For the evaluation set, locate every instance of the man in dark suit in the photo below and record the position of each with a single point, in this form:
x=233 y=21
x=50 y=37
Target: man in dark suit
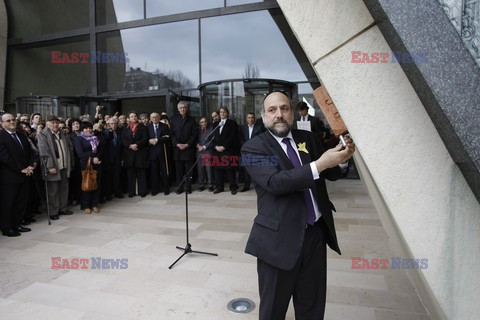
x=224 y=143
x=248 y=131
x=16 y=164
x=316 y=125
x=159 y=135
x=294 y=221
x=184 y=135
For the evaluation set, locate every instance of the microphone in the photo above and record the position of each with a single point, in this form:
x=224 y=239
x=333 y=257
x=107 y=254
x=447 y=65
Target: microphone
x=221 y=124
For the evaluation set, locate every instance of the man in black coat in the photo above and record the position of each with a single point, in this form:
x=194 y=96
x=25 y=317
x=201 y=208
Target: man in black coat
x=224 y=143
x=294 y=221
x=159 y=135
x=316 y=125
x=248 y=131
x=16 y=164
x=183 y=130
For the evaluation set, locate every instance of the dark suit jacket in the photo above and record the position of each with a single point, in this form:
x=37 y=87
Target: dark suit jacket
x=227 y=138
x=279 y=227
x=183 y=131
x=139 y=158
x=13 y=159
x=244 y=136
x=114 y=150
x=316 y=125
x=158 y=151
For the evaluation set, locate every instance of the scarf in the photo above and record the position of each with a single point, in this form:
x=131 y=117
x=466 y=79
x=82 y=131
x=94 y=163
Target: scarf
x=133 y=127
x=94 y=142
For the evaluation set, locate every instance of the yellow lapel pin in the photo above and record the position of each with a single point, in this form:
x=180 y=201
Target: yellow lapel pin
x=302 y=147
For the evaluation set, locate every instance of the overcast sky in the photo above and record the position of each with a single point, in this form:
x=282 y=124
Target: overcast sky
x=228 y=43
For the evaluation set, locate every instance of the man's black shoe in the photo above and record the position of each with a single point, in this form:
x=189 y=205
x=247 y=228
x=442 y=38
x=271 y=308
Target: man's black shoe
x=179 y=191
x=166 y=193
x=200 y=189
x=244 y=189
x=143 y=195
x=154 y=194
x=54 y=217
x=210 y=189
x=26 y=222
x=65 y=213
x=120 y=196
x=10 y=233
x=233 y=192
x=217 y=191
x=22 y=229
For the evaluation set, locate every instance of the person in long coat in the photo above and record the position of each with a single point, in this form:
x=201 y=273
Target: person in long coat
x=135 y=155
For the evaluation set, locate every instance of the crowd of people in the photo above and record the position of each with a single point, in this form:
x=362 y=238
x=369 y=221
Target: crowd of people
x=132 y=154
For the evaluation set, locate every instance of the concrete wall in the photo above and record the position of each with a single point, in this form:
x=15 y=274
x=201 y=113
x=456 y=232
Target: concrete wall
x=3 y=49
x=424 y=202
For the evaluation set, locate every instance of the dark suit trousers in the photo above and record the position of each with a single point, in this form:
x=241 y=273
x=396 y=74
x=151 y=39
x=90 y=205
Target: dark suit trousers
x=14 y=200
x=159 y=176
x=134 y=175
x=219 y=177
x=181 y=168
x=307 y=281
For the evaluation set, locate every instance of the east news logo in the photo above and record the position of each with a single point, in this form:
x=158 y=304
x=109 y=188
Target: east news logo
x=83 y=263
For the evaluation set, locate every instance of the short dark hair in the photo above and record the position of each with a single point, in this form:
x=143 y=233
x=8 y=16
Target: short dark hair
x=302 y=106
x=86 y=124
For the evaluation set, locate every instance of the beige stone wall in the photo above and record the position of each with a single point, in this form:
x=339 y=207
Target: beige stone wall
x=3 y=50
x=423 y=199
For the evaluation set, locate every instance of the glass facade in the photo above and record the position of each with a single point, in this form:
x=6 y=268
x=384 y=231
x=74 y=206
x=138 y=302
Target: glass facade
x=157 y=8
x=164 y=60
x=159 y=57
x=44 y=70
x=113 y=11
x=241 y=96
x=30 y=18
x=232 y=43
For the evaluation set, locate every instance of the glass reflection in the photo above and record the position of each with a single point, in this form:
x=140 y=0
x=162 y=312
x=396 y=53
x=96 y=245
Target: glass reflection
x=231 y=43
x=113 y=11
x=160 y=56
x=157 y=8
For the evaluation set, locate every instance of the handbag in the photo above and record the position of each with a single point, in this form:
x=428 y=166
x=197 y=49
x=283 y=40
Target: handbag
x=89 y=178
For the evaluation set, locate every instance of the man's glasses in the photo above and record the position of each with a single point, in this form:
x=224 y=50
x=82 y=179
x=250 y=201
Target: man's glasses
x=10 y=120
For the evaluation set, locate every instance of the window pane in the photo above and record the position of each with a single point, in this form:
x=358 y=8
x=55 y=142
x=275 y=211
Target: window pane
x=234 y=43
x=31 y=71
x=29 y=18
x=161 y=56
x=113 y=11
x=157 y=8
x=237 y=2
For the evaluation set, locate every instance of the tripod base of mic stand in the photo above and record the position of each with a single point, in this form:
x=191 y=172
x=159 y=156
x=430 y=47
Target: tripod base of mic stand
x=187 y=250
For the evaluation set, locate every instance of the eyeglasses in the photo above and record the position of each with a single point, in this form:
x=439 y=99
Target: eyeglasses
x=10 y=120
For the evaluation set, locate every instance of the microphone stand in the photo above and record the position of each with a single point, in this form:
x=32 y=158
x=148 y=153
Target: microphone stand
x=185 y=181
x=45 y=175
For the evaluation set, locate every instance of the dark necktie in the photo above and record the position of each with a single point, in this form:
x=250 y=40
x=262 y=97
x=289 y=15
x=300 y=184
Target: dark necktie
x=114 y=138
x=15 y=137
x=155 y=130
x=306 y=193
